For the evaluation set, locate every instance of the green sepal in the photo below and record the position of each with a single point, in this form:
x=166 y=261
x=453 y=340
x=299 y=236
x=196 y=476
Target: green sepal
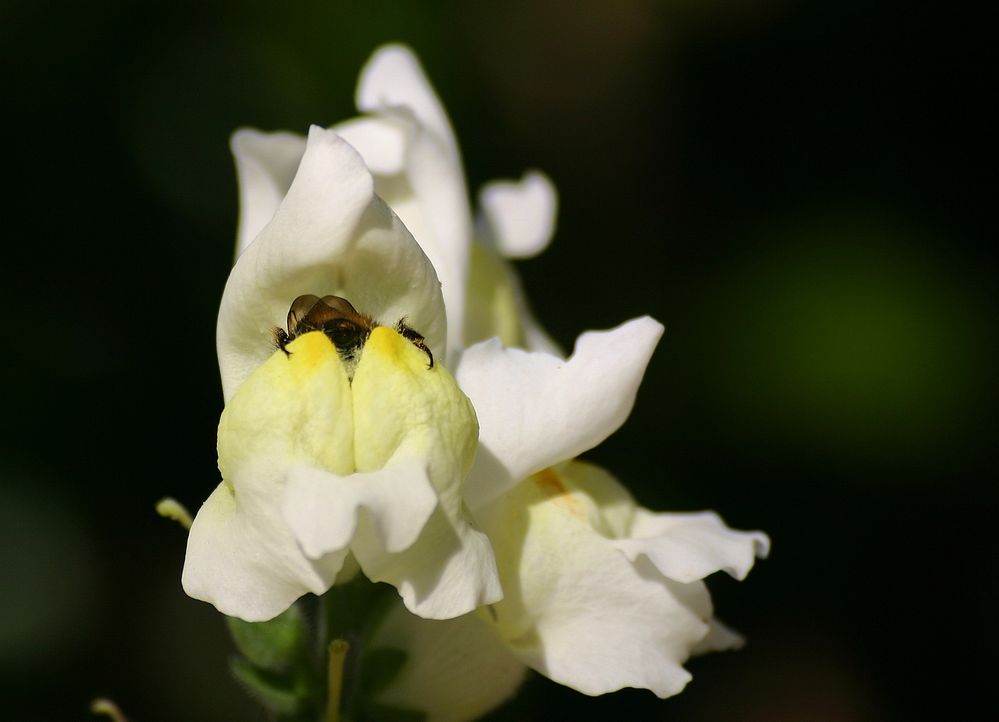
x=280 y=695
x=276 y=645
x=379 y=667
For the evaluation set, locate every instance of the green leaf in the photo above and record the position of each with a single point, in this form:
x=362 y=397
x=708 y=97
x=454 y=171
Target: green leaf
x=278 y=694
x=275 y=645
x=379 y=667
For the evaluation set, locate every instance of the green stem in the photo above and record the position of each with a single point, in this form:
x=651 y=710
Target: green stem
x=323 y=612
x=338 y=649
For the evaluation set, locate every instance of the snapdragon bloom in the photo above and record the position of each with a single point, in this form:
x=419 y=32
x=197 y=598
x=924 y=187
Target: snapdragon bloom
x=596 y=592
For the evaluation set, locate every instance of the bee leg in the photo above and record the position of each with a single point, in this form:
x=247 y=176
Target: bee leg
x=414 y=338
x=282 y=339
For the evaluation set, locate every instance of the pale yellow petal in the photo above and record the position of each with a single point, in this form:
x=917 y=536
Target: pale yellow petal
x=295 y=410
x=405 y=409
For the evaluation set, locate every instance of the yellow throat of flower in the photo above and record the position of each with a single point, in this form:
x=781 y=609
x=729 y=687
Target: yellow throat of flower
x=302 y=406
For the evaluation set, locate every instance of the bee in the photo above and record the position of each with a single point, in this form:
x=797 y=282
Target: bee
x=341 y=323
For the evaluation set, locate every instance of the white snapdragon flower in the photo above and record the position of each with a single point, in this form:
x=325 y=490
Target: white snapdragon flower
x=321 y=458
x=598 y=593
x=605 y=594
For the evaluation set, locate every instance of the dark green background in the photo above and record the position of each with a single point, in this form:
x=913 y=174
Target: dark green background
x=797 y=190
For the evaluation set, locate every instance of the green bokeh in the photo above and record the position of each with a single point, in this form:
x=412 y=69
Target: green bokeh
x=849 y=336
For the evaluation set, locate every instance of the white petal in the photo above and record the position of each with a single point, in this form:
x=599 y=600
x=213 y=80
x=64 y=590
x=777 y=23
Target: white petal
x=331 y=235
x=243 y=559
x=594 y=651
x=323 y=508
x=443 y=225
x=265 y=166
x=719 y=638
x=536 y=409
x=456 y=670
x=380 y=141
x=449 y=571
x=686 y=547
x=393 y=78
x=429 y=193
x=576 y=609
x=519 y=216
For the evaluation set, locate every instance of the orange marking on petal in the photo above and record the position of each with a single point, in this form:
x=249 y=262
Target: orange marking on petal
x=554 y=490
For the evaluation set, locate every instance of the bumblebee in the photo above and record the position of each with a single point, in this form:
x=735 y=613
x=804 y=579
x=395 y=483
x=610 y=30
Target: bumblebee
x=342 y=324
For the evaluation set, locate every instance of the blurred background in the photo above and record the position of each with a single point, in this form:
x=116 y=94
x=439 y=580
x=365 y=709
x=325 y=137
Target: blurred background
x=797 y=190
